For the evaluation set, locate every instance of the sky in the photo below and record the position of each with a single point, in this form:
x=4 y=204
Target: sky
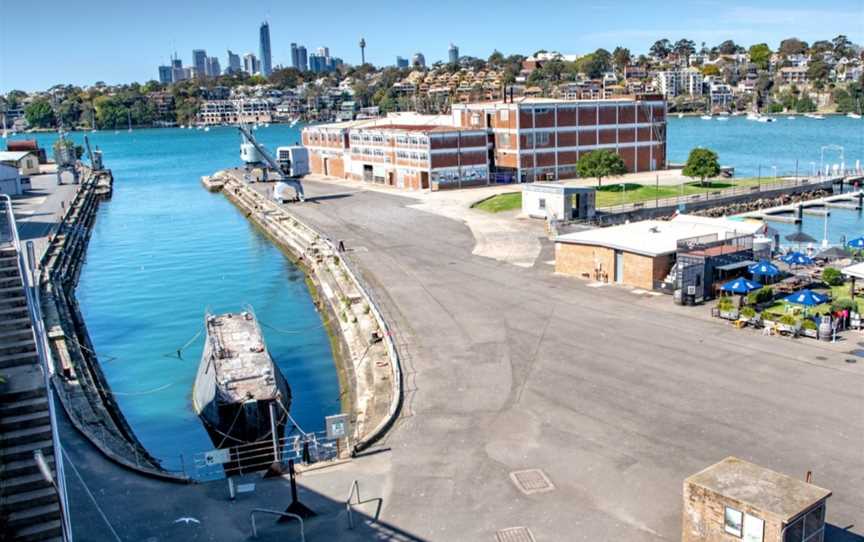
x=128 y=39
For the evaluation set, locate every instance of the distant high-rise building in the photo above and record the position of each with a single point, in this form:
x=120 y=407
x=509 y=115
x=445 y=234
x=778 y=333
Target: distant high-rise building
x=250 y=64
x=177 y=72
x=401 y=62
x=317 y=63
x=199 y=62
x=213 y=67
x=301 y=59
x=418 y=60
x=295 y=58
x=233 y=62
x=323 y=51
x=264 y=49
x=453 y=53
x=362 y=51
x=165 y=75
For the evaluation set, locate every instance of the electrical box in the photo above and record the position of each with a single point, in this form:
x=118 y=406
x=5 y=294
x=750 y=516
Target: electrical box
x=293 y=160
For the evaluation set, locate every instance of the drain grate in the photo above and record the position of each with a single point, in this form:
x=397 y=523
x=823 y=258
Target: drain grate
x=851 y=360
x=531 y=481
x=821 y=358
x=514 y=534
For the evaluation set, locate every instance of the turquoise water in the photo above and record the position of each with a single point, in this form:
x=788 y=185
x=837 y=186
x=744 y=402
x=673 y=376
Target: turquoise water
x=163 y=250
x=747 y=144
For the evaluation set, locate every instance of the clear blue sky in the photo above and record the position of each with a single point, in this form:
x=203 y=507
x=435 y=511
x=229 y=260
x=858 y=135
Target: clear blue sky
x=129 y=39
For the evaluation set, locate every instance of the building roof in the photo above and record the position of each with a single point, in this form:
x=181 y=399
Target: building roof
x=770 y=492
x=658 y=237
x=22 y=145
x=856 y=271
x=13 y=156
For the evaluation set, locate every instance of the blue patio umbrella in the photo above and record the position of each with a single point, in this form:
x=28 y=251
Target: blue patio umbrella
x=740 y=286
x=764 y=268
x=807 y=298
x=796 y=258
x=858 y=242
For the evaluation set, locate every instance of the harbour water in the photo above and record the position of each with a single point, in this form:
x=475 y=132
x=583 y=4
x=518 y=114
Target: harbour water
x=163 y=250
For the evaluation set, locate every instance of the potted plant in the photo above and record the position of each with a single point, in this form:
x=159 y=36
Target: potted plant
x=727 y=308
x=749 y=313
x=809 y=329
x=788 y=323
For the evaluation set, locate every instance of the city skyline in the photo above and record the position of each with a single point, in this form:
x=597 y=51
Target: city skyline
x=122 y=55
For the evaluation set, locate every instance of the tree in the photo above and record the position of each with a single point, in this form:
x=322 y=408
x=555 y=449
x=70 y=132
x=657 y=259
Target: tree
x=710 y=69
x=821 y=46
x=496 y=59
x=760 y=54
x=599 y=164
x=805 y=105
x=661 y=48
x=792 y=46
x=817 y=71
x=728 y=47
x=621 y=57
x=39 y=113
x=842 y=46
x=685 y=48
x=702 y=164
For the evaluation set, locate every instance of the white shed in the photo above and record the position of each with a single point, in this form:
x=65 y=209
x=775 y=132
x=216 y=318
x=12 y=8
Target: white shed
x=27 y=162
x=10 y=180
x=554 y=200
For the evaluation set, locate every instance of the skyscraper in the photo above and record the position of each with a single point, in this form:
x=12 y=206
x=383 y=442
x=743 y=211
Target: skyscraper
x=233 y=62
x=165 y=75
x=302 y=60
x=213 y=67
x=177 y=71
x=401 y=62
x=418 y=60
x=453 y=53
x=264 y=49
x=199 y=62
x=250 y=64
x=295 y=59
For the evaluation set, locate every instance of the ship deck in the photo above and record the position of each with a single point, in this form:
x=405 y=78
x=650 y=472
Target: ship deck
x=244 y=369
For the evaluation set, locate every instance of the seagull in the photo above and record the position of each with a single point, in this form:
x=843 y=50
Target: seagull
x=187 y=520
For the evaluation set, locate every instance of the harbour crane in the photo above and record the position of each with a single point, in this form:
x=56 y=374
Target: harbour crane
x=293 y=163
x=94 y=156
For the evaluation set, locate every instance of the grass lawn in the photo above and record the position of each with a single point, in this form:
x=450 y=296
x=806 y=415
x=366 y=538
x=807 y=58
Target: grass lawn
x=613 y=193
x=501 y=202
x=837 y=292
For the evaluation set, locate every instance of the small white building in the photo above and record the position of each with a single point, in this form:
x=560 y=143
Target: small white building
x=27 y=162
x=10 y=180
x=557 y=201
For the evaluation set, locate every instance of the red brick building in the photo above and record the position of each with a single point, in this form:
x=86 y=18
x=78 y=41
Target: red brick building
x=521 y=140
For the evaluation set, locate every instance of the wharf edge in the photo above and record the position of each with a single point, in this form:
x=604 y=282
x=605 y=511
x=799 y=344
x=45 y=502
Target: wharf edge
x=319 y=258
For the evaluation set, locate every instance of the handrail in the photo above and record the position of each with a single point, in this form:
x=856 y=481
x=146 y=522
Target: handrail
x=355 y=489
x=275 y=513
x=27 y=271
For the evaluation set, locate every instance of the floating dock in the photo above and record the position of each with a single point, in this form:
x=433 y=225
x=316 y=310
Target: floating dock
x=793 y=214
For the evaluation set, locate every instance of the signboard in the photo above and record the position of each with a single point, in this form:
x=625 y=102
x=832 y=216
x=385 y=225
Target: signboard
x=217 y=457
x=245 y=488
x=754 y=528
x=337 y=426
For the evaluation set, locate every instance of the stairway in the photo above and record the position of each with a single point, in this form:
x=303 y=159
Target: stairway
x=28 y=504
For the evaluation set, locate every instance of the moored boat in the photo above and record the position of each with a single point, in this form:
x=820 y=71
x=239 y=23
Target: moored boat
x=239 y=393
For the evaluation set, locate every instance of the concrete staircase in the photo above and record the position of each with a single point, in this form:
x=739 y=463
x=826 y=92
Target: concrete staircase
x=28 y=503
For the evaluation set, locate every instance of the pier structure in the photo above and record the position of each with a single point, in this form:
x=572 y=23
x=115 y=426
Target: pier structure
x=368 y=362
x=795 y=212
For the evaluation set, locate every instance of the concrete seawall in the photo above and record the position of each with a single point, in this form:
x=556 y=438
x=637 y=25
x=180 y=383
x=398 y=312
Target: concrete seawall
x=78 y=380
x=366 y=357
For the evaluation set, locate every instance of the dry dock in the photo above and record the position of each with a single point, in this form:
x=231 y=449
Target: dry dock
x=366 y=357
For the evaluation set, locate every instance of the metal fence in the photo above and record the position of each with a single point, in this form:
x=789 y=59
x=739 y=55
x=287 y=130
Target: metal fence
x=769 y=185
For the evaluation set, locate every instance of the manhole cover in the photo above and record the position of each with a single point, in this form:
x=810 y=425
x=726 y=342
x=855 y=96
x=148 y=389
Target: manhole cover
x=531 y=481
x=821 y=358
x=514 y=534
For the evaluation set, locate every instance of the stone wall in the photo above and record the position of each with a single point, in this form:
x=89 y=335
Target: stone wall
x=703 y=517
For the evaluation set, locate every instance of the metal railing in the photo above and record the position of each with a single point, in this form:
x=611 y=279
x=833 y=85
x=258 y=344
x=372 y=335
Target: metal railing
x=355 y=490
x=27 y=271
x=769 y=185
x=275 y=513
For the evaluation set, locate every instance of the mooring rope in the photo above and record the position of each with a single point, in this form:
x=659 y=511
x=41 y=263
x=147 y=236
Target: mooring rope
x=296 y=331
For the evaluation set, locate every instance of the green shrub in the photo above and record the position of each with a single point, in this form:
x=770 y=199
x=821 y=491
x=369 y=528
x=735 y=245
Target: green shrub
x=762 y=295
x=788 y=320
x=725 y=304
x=832 y=276
x=748 y=312
x=809 y=324
x=843 y=304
